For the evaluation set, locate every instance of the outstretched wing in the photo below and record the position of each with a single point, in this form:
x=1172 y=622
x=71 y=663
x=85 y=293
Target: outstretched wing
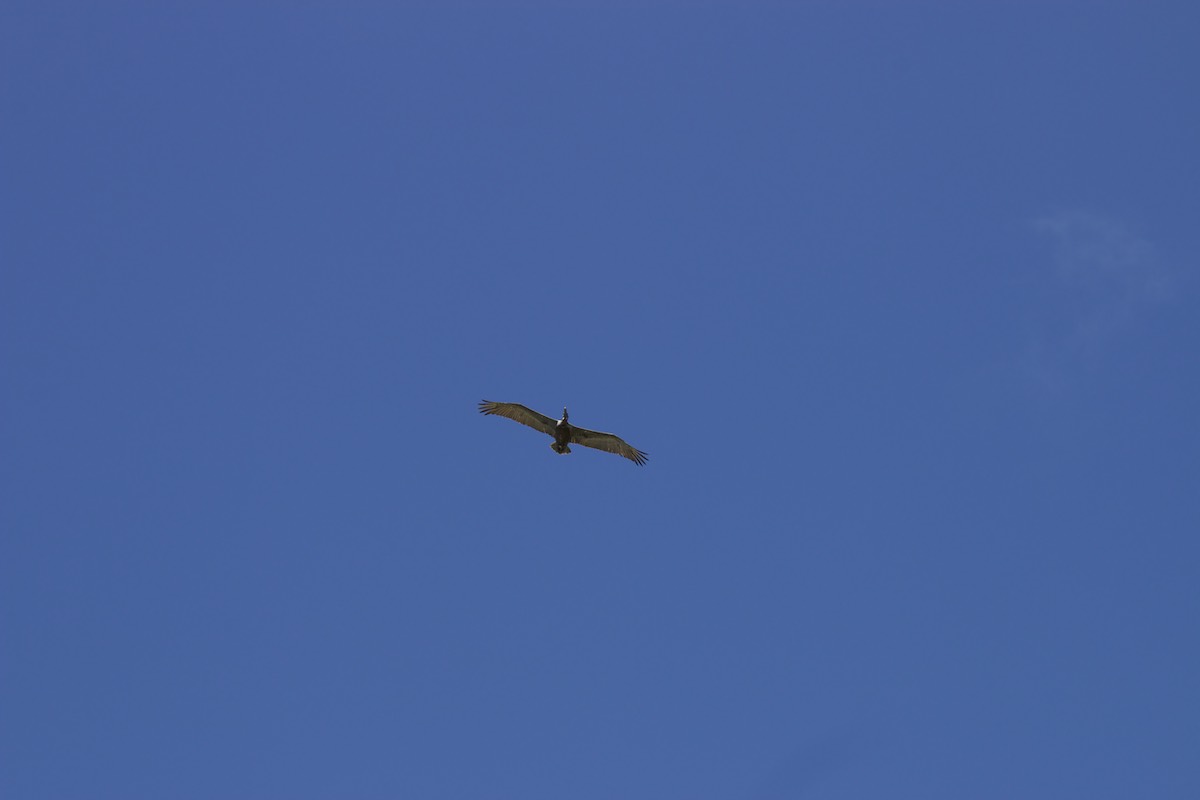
x=518 y=412
x=608 y=443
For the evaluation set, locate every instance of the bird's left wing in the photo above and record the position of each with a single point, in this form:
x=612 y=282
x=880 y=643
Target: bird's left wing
x=608 y=443
x=519 y=413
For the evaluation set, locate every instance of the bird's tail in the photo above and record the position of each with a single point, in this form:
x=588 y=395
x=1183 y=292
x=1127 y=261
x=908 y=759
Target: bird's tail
x=561 y=449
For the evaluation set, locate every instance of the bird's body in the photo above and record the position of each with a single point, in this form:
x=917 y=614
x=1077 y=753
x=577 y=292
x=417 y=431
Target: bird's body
x=564 y=433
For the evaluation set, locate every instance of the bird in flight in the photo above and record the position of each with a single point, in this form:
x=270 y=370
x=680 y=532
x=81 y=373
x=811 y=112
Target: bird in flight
x=563 y=432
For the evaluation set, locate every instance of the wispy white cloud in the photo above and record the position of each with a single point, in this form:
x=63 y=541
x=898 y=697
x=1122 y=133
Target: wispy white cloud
x=1101 y=278
x=1108 y=272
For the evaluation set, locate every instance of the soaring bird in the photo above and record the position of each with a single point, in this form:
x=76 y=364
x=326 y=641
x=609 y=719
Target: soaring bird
x=563 y=432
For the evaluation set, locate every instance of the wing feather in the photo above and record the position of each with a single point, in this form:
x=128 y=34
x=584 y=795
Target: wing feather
x=519 y=413
x=608 y=443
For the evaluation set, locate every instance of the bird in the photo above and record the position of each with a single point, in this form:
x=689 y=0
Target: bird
x=564 y=433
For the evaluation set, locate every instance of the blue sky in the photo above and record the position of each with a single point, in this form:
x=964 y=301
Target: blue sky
x=901 y=300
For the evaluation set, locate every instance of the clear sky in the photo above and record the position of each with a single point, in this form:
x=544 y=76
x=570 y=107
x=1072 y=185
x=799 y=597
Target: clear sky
x=901 y=299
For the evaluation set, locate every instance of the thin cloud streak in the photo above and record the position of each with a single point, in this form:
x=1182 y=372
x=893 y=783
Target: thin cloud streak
x=1103 y=278
x=1107 y=273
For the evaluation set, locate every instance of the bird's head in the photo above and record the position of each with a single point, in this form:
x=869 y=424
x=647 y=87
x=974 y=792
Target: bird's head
x=564 y=413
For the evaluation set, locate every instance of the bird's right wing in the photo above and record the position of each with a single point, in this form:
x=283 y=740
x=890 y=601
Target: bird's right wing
x=521 y=414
